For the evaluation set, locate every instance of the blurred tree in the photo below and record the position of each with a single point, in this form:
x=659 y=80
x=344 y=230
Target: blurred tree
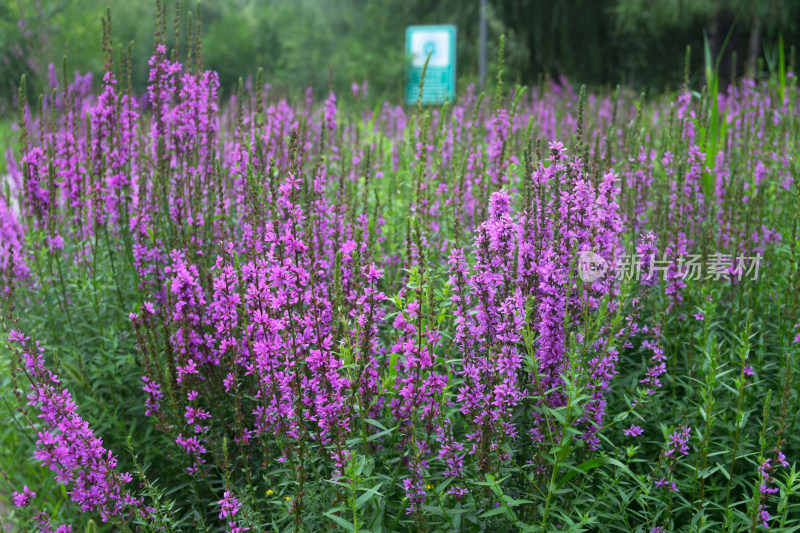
x=301 y=43
x=238 y=38
x=25 y=30
x=569 y=37
x=752 y=21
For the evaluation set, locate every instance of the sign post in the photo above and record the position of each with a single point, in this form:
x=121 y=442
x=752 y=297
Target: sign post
x=440 y=77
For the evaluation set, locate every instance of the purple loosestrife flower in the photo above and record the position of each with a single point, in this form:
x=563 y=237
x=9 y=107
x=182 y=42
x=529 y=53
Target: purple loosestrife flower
x=37 y=192
x=160 y=90
x=104 y=120
x=450 y=451
x=678 y=441
x=22 y=499
x=188 y=306
x=12 y=251
x=667 y=484
x=551 y=310
x=154 y=395
x=418 y=383
x=496 y=148
x=71 y=174
x=330 y=113
x=633 y=431
x=658 y=365
x=14 y=172
x=192 y=349
x=66 y=444
x=229 y=505
x=638 y=177
x=646 y=252
x=490 y=389
x=596 y=224
x=415 y=491
x=517 y=258
x=457 y=492
x=766 y=470
x=225 y=303
x=45 y=526
x=764 y=516
x=415 y=484
x=673 y=251
x=369 y=313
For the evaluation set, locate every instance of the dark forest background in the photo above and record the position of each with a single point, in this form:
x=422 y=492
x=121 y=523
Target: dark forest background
x=301 y=43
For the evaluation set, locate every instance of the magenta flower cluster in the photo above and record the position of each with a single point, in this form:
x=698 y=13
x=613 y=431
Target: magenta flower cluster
x=309 y=291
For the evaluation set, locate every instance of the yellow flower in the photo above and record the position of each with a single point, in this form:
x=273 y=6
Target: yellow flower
x=287 y=498
x=429 y=487
x=269 y=492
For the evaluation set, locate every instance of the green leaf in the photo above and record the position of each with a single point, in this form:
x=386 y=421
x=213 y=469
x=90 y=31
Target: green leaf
x=377 y=424
x=511 y=502
x=591 y=464
x=341 y=521
x=494 y=512
x=361 y=500
x=444 y=484
x=72 y=371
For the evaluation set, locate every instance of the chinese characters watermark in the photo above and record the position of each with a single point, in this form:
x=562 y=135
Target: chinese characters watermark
x=592 y=267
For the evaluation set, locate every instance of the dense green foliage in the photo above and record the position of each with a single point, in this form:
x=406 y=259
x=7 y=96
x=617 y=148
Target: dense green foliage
x=301 y=43
x=287 y=314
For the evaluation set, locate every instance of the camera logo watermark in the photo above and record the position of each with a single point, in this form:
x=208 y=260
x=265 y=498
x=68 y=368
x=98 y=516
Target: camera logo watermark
x=592 y=267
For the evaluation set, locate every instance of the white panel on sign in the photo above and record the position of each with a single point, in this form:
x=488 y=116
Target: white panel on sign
x=437 y=43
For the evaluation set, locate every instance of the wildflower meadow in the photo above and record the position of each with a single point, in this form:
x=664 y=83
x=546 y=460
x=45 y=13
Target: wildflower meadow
x=531 y=309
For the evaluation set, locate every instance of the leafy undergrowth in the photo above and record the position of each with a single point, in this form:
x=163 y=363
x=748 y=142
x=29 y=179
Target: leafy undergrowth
x=532 y=311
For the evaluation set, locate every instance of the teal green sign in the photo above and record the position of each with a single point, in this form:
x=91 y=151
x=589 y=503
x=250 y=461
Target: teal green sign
x=440 y=78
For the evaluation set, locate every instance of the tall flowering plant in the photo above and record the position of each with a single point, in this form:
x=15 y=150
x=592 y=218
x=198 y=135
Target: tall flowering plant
x=300 y=318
